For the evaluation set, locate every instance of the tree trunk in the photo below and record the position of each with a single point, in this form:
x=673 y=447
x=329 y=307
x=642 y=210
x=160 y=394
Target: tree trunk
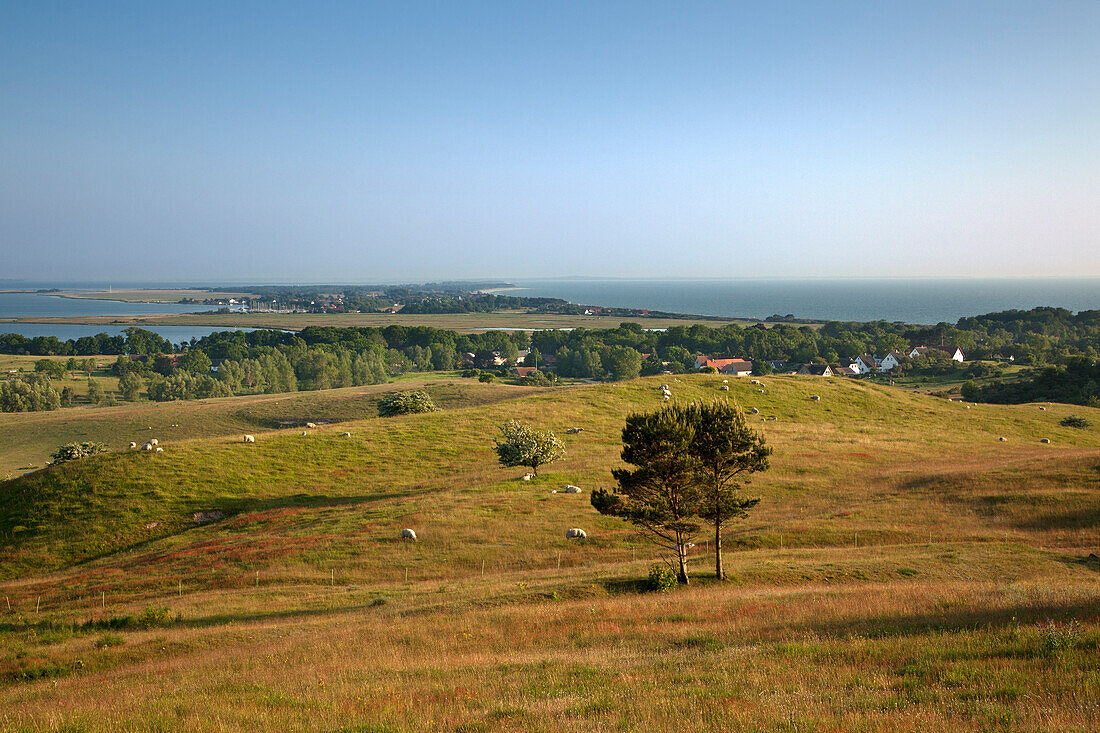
x=719 y=572
x=681 y=552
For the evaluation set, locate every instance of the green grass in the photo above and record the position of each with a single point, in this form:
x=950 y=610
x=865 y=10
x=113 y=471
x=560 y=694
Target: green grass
x=905 y=569
x=30 y=438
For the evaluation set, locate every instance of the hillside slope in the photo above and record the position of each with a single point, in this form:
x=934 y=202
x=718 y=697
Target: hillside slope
x=886 y=514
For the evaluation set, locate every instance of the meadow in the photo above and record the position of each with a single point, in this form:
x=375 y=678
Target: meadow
x=906 y=569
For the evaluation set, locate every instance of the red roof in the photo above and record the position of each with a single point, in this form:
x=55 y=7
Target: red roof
x=524 y=371
x=706 y=361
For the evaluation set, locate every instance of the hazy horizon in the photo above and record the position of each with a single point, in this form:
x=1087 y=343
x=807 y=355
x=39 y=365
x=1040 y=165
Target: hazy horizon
x=272 y=143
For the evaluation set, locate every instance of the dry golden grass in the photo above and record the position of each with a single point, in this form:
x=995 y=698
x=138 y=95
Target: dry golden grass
x=893 y=577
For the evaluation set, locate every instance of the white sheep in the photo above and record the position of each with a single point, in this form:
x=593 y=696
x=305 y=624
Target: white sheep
x=153 y=441
x=345 y=435
x=408 y=534
x=576 y=534
x=666 y=397
x=310 y=425
x=133 y=445
x=755 y=410
x=571 y=489
x=159 y=449
x=148 y=446
x=250 y=438
x=724 y=388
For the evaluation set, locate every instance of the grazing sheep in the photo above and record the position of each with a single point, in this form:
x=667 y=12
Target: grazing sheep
x=724 y=388
x=760 y=391
x=148 y=446
x=815 y=398
x=1003 y=439
x=304 y=433
x=527 y=477
x=310 y=425
x=1042 y=408
x=133 y=445
x=408 y=534
x=250 y=438
x=159 y=449
x=345 y=435
x=153 y=441
x=664 y=387
x=553 y=491
x=571 y=489
x=1044 y=440
x=576 y=534
x=756 y=410
x=725 y=381
x=666 y=397
x=574 y=431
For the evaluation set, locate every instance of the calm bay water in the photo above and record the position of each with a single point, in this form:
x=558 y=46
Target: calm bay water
x=913 y=301
x=15 y=305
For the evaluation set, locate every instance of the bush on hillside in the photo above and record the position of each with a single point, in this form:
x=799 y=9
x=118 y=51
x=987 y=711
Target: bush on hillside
x=661 y=579
x=523 y=445
x=1075 y=421
x=76 y=451
x=405 y=403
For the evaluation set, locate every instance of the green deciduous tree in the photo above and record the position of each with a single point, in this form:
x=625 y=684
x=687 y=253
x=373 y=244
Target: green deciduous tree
x=95 y=392
x=523 y=445
x=130 y=384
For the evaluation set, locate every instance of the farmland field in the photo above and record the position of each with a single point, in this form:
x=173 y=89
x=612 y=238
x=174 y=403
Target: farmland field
x=460 y=322
x=906 y=569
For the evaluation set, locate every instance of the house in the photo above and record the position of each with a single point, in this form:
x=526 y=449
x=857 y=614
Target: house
x=816 y=370
x=955 y=354
x=736 y=367
x=524 y=371
x=866 y=363
x=845 y=371
x=521 y=357
x=891 y=360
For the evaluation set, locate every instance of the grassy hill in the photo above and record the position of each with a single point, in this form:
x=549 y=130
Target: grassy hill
x=29 y=438
x=905 y=569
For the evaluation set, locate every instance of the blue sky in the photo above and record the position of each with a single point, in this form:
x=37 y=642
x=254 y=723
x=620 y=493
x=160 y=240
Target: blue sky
x=415 y=141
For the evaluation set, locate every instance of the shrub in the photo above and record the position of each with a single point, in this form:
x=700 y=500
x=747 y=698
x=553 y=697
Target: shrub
x=108 y=640
x=75 y=451
x=1075 y=421
x=486 y=377
x=471 y=372
x=1056 y=637
x=405 y=403
x=153 y=617
x=661 y=579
